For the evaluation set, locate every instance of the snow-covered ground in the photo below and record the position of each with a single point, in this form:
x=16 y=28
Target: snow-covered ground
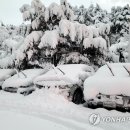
x=51 y=111
x=24 y=122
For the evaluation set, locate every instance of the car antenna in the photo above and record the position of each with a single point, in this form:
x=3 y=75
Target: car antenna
x=126 y=69
x=110 y=69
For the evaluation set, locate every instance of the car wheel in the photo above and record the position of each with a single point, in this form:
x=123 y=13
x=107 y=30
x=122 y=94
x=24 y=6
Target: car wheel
x=78 y=97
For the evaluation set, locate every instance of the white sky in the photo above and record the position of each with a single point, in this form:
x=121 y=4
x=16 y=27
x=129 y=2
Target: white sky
x=10 y=14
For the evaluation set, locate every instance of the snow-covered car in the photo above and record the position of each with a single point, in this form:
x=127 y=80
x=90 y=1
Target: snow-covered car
x=109 y=87
x=68 y=79
x=22 y=82
x=5 y=74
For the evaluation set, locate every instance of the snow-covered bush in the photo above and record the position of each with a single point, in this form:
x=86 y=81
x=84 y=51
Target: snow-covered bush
x=10 y=47
x=74 y=58
x=119 y=51
x=7 y=61
x=12 y=44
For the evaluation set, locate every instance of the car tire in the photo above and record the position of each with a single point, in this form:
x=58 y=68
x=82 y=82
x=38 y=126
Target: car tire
x=26 y=93
x=78 y=97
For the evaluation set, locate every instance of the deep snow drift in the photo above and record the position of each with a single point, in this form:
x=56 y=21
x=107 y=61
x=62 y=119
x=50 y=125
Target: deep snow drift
x=53 y=109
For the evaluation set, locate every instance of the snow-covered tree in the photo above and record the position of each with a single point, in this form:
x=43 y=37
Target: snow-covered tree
x=4 y=34
x=24 y=29
x=10 y=41
x=28 y=50
x=91 y=15
x=119 y=51
x=72 y=35
x=81 y=14
x=43 y=18
x=10 y=47
x=44 y=22
x=96 y=50
x=120 y=18
x=55 y=35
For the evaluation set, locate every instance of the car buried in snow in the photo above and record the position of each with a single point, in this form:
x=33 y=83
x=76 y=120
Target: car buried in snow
x=22 y=82
x=109 y=87
x=5 y=74
x=68 y=79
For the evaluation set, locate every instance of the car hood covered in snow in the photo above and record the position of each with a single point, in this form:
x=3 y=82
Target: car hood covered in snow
x=103 y=82
x=65 y=75
x=24 y=78
x=6 y=73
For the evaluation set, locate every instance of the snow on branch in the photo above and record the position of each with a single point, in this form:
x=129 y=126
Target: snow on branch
x=79 y=31
x=103 y=28
x=98 y=42
x=49 y=39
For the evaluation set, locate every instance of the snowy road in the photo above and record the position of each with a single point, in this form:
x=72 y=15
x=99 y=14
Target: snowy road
x=54 y=110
